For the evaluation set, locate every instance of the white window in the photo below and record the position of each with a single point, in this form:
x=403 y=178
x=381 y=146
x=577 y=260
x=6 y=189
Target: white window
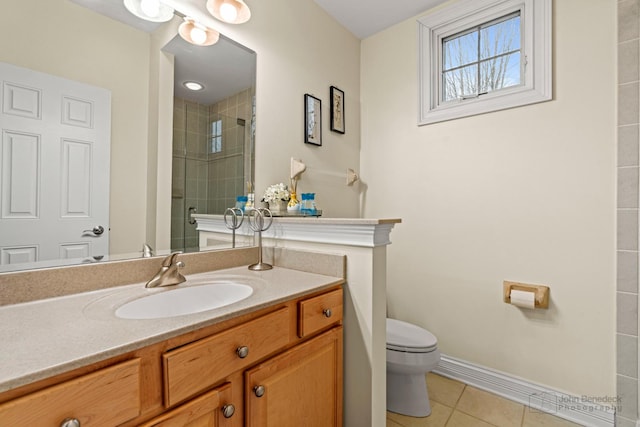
x=216 y=137
x=478 y=56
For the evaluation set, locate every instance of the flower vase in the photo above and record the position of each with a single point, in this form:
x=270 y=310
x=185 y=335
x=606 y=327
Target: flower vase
x=294 y=204
x=278 y=206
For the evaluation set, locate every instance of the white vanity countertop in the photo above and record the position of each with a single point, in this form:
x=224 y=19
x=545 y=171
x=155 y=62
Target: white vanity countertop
x=44 y=338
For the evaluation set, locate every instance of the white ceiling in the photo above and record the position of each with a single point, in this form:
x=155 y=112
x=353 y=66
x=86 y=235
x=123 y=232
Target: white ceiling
x=230 y=64
x=367 y=17
x=362 y=17
x=224 y=69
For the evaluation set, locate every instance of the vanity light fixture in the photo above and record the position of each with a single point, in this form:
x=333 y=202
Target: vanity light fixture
x=191 y=85
x=229 y=11
x=149 y=10
x=196 y=33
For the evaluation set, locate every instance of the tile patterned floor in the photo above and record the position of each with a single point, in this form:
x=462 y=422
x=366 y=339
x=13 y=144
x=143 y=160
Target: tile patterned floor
x=454 y=404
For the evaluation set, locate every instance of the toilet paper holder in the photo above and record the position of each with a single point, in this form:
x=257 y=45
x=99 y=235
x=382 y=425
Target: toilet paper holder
x=541 y=292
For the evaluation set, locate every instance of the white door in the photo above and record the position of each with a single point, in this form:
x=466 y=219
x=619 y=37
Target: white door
x=54 y=167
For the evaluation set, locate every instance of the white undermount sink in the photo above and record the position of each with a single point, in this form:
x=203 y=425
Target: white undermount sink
x=184 y=300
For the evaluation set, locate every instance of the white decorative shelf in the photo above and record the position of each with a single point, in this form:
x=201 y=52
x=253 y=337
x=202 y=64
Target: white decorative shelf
x=340 y=231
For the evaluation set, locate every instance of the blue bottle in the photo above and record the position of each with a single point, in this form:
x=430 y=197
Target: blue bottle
x=311 y=202
x=241 y=202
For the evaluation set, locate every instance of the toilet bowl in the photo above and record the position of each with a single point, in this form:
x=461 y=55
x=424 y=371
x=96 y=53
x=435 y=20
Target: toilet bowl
x=411 y=353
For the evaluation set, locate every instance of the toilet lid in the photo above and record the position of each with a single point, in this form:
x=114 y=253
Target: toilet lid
x=403 y=336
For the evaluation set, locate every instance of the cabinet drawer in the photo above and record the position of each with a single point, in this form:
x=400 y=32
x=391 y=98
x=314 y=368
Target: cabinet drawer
x=106 y=397
x=319 y=312
x=197 y=366
x=204 y=410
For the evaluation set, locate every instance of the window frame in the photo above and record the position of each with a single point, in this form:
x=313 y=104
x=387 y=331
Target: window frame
x=536 y=36
x=215 y=138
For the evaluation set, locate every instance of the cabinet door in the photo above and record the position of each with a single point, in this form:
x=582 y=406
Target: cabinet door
x=209 y=410
x=301 y=387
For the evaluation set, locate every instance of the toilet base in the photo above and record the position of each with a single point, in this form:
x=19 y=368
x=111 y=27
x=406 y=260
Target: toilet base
x=408 y=395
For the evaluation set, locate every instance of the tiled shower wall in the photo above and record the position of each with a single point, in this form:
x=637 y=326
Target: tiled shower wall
x=208 y=181
x=228 y=173
x=628 y=210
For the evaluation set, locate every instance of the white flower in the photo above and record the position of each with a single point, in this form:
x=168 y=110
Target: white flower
x=276 y=192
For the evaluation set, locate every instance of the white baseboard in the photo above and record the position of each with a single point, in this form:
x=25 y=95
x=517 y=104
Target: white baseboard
x=535 y=397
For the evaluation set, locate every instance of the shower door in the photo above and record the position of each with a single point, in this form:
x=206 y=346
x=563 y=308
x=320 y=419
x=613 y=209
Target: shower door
x=208 y=168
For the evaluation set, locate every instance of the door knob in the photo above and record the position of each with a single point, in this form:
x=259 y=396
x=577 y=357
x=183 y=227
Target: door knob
x=192 y=210
x=97 y=230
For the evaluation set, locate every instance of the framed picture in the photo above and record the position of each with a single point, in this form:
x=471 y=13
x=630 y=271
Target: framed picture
x=337 y=110
x=312 y=120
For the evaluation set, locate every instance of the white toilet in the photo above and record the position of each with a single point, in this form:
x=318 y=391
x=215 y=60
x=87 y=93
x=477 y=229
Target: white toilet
x=411 y=353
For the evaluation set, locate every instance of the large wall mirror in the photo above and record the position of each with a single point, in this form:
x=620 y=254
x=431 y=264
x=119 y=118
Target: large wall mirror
x=172 y=151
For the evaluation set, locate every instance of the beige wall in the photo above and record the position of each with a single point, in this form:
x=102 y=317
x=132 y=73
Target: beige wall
x=525 y=194
x=63 y=39
x=300 y=49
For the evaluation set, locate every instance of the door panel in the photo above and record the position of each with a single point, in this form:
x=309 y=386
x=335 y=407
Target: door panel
x=54 y=167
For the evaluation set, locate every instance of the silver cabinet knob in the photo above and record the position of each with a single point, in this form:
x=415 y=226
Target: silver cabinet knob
x=228 y=410
x=70 y=422
x=327 y=312
x=242 y=352
x=259 y=390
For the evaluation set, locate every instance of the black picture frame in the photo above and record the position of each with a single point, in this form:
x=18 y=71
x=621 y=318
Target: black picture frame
x=312 y=120
x=337 y=110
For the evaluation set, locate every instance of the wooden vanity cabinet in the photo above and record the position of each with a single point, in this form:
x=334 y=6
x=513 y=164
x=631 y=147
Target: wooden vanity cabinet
x=207 y=377
x=301 y=387
x=291 y=359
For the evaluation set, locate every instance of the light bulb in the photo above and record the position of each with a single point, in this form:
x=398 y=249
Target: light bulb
x=228 y=12
x=151 y=8
x=195 y=86
x=198 y=35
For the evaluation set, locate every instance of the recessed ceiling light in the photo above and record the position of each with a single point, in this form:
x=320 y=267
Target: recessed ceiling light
x=195 y=86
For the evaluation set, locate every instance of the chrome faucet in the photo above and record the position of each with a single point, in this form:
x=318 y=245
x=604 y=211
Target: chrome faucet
x=168 y=274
